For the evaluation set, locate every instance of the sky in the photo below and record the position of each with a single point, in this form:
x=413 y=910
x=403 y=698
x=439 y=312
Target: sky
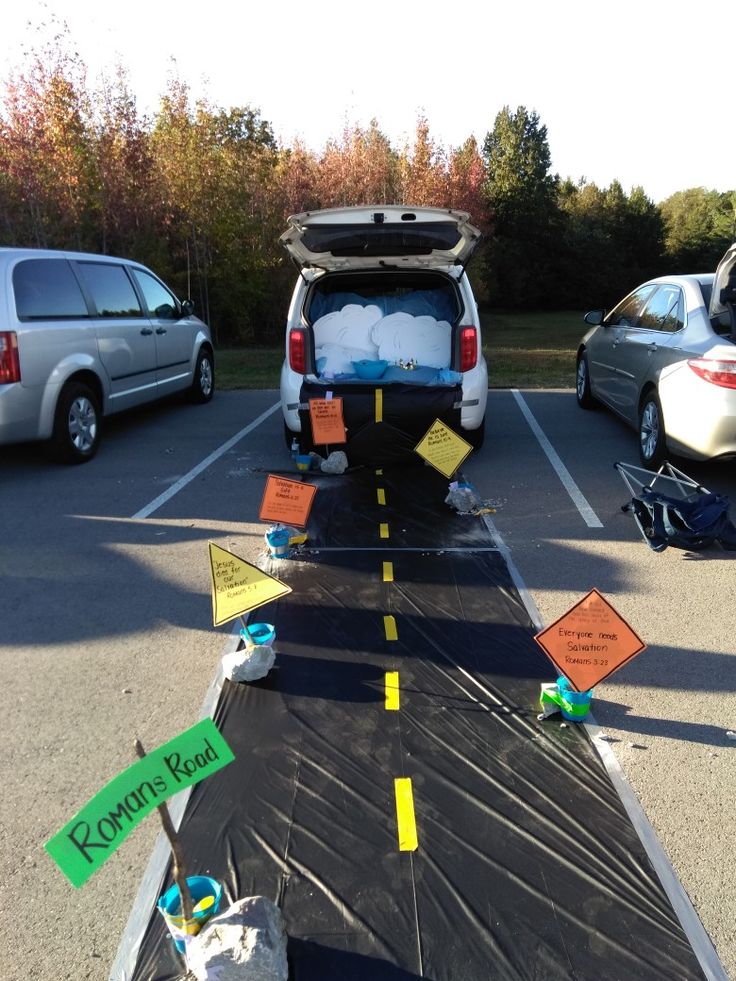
x=637 y=91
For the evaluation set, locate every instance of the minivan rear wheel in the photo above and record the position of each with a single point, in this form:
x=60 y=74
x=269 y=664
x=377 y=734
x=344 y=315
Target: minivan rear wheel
x=77 y=424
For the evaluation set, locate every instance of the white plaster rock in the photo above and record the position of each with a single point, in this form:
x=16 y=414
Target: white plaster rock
x=336 y=462
x=246 y=942
x=250 y=664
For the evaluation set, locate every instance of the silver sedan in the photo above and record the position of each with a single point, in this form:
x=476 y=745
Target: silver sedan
x=664 y=359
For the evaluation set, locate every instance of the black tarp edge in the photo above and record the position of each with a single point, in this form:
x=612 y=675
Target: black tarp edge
x=150 y=888
x=691 y=923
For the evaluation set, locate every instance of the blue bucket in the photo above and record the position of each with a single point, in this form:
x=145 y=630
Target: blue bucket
x=201 y=888
x=278 y=542
x=258 y=633
x=579 y=701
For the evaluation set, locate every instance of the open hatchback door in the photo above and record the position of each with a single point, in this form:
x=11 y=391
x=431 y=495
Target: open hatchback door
x=381 y=236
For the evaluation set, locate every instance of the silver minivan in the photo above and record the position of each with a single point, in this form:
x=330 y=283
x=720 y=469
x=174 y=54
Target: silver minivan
x=84 y=336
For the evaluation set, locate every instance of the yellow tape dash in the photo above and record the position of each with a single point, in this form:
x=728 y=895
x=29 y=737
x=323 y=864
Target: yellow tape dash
x=379 y=405
x=383 y=530
x=388 y=572
x=405 y=815
x=392 y=691
x=389 y=625
x=381 y=495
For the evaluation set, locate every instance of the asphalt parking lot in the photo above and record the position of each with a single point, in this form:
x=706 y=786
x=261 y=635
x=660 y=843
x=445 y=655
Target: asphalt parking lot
x=107 y=635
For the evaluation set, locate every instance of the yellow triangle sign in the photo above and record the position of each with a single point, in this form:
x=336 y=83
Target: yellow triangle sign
x=239 y=587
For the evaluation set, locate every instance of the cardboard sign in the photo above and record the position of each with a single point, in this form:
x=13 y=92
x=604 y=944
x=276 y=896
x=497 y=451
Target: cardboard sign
x=93 y=834
x=327 y=422
x=589 y=642
x=287 y=502
x=442 y=448
x=239 y=587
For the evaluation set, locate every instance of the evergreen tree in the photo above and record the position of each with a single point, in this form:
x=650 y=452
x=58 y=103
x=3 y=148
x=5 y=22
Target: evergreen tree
x=522 y=202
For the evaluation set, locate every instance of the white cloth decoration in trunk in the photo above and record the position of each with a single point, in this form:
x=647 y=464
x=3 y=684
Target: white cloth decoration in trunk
x=426 y=340
x=332 y=359
x=350 y=328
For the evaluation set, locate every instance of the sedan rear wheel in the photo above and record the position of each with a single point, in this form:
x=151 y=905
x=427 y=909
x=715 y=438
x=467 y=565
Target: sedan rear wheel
x=652 y=436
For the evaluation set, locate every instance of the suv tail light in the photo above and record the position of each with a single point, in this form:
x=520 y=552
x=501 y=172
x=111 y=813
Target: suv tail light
x=298 y=351
x=9 y=360
x=722 y=373
x=468 y=348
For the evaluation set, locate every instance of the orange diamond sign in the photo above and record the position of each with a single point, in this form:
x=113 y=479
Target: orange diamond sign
x=589 y=642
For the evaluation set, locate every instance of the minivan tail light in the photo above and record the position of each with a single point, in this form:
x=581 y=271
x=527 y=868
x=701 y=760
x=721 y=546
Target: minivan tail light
x=298 y=351
x=9 y=360
x=468 y=348
x=721 y=373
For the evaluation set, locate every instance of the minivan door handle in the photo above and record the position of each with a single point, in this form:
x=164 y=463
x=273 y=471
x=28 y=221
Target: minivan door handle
x=160 y=330
x=146 y=331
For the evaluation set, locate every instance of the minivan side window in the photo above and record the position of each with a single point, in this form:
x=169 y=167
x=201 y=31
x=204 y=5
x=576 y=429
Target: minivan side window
x=160 y=302
x=111 y=290
x=46 y=289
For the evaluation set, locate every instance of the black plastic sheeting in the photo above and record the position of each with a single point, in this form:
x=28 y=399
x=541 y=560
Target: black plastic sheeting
x=346 y=512
x=527 y=865
x=407 y=413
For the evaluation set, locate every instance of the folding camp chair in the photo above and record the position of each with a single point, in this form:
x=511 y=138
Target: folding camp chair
x=672 y=509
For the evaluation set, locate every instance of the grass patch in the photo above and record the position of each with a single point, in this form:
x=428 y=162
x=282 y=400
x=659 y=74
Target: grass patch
x=531 y=350
x=523 y=350
x=248 y=367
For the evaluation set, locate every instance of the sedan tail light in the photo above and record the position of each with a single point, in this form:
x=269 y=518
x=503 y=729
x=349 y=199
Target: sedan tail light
x=721 y=373
x=468 y=348
x=298 y=351
x=9 y=360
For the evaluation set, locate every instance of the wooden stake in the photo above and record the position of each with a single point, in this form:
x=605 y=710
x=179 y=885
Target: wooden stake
x=247 y=632
x=180 y=875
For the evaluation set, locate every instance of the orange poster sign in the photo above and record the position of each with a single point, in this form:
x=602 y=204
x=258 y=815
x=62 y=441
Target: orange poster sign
x=286 y=501
x=327 y=421
x=589 y=642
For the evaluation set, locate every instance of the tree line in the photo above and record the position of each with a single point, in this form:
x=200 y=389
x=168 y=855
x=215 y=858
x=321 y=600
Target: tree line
x=201 y=194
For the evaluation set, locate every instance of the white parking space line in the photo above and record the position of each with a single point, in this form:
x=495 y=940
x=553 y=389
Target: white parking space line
x=576 y=495
x=155 y=504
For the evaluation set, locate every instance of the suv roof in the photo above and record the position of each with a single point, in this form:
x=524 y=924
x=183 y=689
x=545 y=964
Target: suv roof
x=383 y=236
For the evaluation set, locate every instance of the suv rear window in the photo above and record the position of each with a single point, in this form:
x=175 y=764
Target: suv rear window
x=417 y=238
x=46 y=289
x=416 y=292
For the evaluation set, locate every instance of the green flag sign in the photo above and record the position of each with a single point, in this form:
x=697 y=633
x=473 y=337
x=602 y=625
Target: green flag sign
x=94 y=833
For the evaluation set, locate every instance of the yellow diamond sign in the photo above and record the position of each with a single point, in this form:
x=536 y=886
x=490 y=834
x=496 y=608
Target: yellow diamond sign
x=442 y=448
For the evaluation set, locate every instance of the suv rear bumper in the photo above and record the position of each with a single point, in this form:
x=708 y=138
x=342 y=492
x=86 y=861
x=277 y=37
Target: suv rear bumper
x=385 y=428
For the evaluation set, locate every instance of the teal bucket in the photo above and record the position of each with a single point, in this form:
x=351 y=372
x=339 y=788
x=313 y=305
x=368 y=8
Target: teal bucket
x=169 y=905
x=278 y=542
x=576 y=704
x=258 y=633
